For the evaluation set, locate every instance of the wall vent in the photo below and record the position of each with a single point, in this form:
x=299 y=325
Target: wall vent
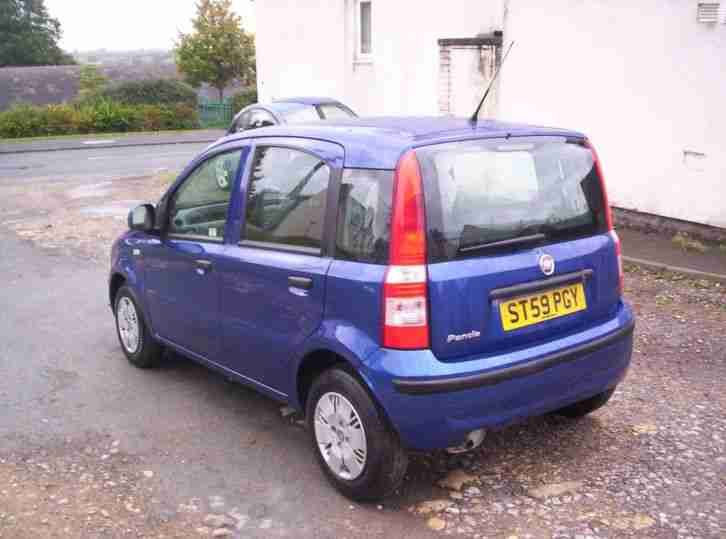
x=708 y=12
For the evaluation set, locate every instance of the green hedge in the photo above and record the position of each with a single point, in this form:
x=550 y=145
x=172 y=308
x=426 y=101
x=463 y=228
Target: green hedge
x=241 y=99
x=102 y=116
x=151 y=92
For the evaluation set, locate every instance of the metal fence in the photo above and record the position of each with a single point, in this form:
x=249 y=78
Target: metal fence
x=215 y=114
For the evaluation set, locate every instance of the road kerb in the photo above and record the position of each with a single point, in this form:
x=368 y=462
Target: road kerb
x=109 y=146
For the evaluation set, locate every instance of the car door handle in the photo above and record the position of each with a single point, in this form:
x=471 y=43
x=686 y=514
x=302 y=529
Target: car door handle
x=300 y=282
x=203 y=266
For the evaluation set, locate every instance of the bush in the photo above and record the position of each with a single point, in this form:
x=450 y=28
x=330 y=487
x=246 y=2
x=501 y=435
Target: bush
x=100 y=116
x=151 y=92
x=241 y=99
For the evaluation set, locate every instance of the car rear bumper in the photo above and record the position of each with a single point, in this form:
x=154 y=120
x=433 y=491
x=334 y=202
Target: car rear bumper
x=438 y=411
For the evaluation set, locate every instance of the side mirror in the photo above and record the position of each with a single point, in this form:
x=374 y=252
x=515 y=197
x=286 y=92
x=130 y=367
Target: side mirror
x=142 y=218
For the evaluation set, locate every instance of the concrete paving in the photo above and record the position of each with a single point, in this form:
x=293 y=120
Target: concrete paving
x=658 y=251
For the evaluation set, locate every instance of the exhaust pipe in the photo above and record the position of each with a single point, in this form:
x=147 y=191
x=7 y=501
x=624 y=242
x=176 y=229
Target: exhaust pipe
x=472 y=440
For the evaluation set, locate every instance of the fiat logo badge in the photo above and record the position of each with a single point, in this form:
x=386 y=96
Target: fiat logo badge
x=547 y=264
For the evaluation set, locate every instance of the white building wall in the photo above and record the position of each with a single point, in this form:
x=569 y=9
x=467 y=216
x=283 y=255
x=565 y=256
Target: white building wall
x=308 y=48
x=300 y=46
x=643 y=79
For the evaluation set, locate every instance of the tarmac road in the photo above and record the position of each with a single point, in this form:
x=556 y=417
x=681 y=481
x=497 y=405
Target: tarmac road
x=63 y=378
x=64 y=383
x=100 y=163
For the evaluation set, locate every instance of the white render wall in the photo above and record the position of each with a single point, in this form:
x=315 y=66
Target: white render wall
x=643 y=79
x=307 y=47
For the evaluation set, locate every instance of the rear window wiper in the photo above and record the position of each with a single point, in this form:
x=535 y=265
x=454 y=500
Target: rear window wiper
x=511 y=242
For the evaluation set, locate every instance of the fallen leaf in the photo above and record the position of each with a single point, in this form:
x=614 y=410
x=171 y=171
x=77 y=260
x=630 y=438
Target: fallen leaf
x=433 y=506
x=456 y=479
x=554 y=489
x=645 y=428
x=640 y=522
x=436 y=523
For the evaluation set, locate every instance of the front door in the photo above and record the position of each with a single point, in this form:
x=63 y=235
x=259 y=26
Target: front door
x=182 y=284
x=273 y=279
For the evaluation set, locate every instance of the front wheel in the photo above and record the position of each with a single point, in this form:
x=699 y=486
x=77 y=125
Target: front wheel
x=359 y=454
x=584 y=407
x=139 y=346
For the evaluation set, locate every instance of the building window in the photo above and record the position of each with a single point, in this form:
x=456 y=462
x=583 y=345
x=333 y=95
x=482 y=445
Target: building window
x=364 y=29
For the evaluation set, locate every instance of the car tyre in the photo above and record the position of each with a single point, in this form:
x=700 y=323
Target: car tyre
x=137 y=343
x=584 y=407
x=376 y=460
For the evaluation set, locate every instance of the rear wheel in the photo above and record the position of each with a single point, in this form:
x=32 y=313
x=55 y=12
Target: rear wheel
x=359 y=454
x=584 y=407
x=139 y=346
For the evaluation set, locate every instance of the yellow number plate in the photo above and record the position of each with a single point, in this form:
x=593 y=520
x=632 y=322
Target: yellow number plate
x=546 y=305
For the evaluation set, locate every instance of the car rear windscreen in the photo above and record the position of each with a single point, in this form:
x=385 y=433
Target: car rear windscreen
x=480 y=194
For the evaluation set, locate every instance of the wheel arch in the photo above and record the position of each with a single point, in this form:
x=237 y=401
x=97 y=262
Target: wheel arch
x=117 y=280
x=321 y=359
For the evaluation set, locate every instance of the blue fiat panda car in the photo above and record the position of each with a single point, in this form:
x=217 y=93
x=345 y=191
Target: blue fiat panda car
x=407 y=283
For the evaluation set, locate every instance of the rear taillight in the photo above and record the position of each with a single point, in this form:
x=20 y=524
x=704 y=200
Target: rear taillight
x=609 y=217
x=405 y=296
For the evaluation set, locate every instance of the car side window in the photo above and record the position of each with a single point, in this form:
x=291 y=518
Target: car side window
x=286 y=199
x=334 y=112
x=260 y=118
x=364 y=216
x=198 y=209
x=243 y=122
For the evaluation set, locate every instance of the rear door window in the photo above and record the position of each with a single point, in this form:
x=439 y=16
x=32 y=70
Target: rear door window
x=286 y=199
x=482 y=192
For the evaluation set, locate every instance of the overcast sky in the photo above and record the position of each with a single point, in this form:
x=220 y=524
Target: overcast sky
x=129 y=24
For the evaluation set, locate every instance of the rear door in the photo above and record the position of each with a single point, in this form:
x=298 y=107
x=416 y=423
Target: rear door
x=518 y=245
x=273 y=275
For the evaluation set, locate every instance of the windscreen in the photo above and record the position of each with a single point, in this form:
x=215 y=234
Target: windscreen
x=479 y=194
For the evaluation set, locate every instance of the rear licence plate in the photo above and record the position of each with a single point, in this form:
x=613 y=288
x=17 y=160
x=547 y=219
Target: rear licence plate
x=546 y=305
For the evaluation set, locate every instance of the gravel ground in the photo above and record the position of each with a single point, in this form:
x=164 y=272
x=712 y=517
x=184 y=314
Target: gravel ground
x=81 y=218
x=652 y=463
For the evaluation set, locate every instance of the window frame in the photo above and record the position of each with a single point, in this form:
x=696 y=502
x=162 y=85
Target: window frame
x=327 y=240
x=169 y=197
x=360 y=56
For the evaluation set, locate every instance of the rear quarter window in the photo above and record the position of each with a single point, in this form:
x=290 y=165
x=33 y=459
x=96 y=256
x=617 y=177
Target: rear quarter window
x=364 y=216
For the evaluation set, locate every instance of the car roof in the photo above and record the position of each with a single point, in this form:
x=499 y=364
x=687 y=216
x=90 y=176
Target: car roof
x=276 y=107
x=379 y=142
x=308 y=100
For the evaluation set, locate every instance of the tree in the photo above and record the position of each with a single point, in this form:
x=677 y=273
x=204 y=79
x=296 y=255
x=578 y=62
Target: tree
x=29 y=35
x=218 y=50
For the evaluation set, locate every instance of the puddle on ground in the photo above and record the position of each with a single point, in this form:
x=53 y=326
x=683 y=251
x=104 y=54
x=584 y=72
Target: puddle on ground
x=117 y=209
x=92 y=190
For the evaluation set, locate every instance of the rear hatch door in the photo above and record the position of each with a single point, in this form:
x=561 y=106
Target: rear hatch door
x=518 y=246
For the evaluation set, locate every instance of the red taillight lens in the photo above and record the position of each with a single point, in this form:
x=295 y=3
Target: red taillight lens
x=609 y=217
x=408 y=232
x=405 y=303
